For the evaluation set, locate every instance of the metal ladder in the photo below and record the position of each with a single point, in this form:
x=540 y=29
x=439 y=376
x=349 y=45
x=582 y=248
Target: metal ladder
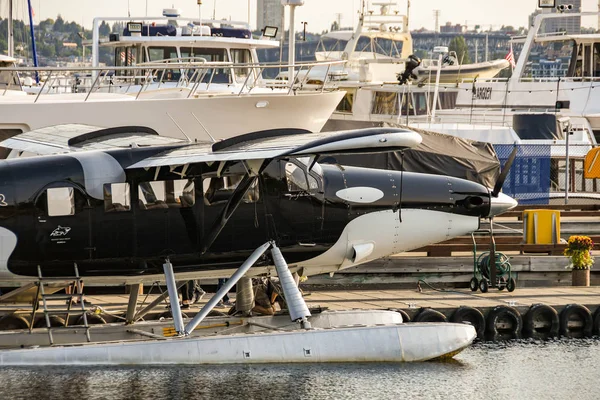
x=77 y=293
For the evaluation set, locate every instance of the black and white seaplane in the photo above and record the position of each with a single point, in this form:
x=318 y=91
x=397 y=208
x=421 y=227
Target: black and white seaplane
x=126 y=205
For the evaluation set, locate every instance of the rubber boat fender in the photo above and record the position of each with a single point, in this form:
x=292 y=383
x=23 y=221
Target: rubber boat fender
x=546 y=319
x=596 y=326
x=55 y=321
x=430 y=315
x=504 y=322
x=576 y=312
x=471 y=316
x=13 y=322
x=92 y=319
x=405 y=316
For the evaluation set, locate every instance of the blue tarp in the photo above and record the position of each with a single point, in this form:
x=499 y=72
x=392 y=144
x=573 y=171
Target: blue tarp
x=529 y=178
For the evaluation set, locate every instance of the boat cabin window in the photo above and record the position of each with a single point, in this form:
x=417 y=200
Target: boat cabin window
x=160 y=53
x=218 y=190
x=241 y=56
x=216 y=75
x=177 y=193
x=347 y=101
x=117 y=197
x=60 y=201
x=126 y=57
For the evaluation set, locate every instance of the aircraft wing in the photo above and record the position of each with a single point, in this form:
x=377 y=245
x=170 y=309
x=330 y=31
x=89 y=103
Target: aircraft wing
x=371 y=140
x=77 y=137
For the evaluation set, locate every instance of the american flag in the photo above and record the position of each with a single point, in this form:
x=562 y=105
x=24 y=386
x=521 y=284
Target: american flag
x=510 y=57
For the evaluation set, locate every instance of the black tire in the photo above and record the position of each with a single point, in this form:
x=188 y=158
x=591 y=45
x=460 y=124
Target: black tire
x=541 y=322
x=55 y=321
x=471 y=316
x=473 y=284
x=596 y=326
x=503 y=323
x=404 y=314
x=13 y=322
x=430 y=315
x=92 y=319
x=483 y=285
x=511 y=284
x=501 y=283
x=576 y=321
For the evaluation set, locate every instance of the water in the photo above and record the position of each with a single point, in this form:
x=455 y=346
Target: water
x=564 y=369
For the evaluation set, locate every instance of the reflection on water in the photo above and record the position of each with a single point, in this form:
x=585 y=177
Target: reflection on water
x=513 y=370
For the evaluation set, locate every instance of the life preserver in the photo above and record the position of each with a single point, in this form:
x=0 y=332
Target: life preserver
x=580 y=314
x=430 y=315
x=541 y=322
x=472 y=316
x=13 y=322
x=503 y=322
x=55 y=321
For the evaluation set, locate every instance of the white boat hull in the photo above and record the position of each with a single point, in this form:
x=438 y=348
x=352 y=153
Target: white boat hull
x=387 y=343
x=223 y=116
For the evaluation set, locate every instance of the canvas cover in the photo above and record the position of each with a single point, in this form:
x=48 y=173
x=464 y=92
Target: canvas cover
x=438 y=154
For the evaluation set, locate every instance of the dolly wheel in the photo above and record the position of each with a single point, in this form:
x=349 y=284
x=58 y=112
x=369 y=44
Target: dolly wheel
x=511 y=284
x=483 y=286
x=473 y=284
x=502 y=283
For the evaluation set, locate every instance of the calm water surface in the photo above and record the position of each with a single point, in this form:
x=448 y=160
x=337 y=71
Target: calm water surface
x=565 y=369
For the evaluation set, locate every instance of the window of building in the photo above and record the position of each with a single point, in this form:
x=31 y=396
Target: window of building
x=60 y=201
x=177 y=193
x=117 y=197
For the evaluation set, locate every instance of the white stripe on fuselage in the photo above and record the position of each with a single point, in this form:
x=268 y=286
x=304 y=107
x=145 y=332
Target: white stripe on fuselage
x=8 y=242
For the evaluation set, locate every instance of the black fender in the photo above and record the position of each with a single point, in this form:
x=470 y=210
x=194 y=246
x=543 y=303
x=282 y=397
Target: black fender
x=55 y=321
x=430 y=315
x=503 y=322
x=471 y=316
x=544 y=315
x=596 y=326
x=579 y=313
x=13 y=322
x=92 y=319
x=404 y=314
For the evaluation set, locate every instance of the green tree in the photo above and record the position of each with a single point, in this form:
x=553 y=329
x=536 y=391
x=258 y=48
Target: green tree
x=458 y=45
x=59 y=24
x=104 y=29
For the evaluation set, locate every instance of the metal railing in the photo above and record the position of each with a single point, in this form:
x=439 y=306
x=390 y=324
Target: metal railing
x=195 y=75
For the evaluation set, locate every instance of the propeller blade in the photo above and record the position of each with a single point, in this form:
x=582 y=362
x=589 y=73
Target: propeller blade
x=504 y=172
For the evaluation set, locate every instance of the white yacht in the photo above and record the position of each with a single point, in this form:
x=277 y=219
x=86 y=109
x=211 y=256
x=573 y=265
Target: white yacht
x=176 y=76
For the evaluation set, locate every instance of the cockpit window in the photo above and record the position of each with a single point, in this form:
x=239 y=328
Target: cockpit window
x=296 y=178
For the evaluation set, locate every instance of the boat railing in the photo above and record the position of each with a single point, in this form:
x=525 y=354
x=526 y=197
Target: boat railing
x=193 y=75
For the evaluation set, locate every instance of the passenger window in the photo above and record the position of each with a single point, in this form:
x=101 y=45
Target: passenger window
x=218 y=190
x=61 y=201
x=296 y=178
x=166 y=194
x=117 y=197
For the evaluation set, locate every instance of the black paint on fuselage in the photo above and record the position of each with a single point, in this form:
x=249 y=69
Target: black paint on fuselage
x=108 y=241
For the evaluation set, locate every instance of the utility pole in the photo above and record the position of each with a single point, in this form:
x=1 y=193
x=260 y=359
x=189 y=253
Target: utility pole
x=436 y=14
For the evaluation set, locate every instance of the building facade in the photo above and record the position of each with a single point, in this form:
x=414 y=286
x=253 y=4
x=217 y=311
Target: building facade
x=570 y=25
x=269 y=13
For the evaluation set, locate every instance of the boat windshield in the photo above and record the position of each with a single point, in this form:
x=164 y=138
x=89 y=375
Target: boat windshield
x=216 y=75
x=7 y=78
x=379 y=45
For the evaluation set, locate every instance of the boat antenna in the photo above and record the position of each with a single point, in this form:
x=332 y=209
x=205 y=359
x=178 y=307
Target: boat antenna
x=214 y=10
x=205 y=130
x=177 y=125
x=128 y=9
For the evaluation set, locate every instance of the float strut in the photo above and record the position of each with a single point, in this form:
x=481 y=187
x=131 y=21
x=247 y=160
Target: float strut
x=173 y=297
x=226 y=287
x=296 y=304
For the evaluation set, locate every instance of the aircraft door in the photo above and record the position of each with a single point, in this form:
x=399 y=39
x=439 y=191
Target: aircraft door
x=301 y=205
x=64 y=230
x=246 y=229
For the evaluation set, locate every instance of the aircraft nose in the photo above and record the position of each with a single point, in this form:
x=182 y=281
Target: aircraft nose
x=501 y=203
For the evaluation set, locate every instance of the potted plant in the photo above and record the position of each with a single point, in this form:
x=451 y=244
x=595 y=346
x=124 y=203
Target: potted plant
x=578 y=251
